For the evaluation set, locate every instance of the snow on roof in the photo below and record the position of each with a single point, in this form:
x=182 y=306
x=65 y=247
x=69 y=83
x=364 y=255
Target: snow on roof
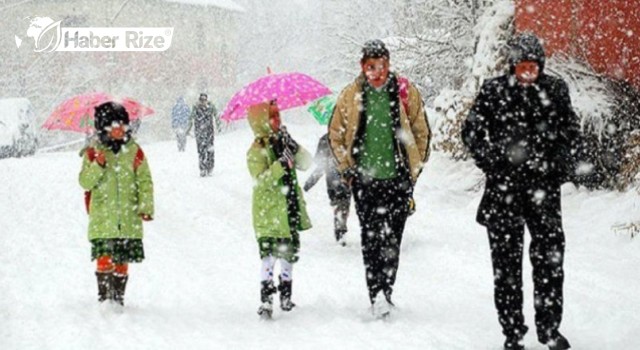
x=223 y=4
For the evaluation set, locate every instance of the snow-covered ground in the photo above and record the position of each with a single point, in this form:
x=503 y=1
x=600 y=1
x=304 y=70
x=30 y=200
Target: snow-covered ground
x=199 y=289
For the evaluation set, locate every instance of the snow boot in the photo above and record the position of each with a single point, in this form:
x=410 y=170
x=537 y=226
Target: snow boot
x=387 y=294
x=514 y=342
x=119 y=286
x=558 y=342
x=285 y=289
x=381 y=308
x=340 y=237
x=266 y=309
x=105 y=286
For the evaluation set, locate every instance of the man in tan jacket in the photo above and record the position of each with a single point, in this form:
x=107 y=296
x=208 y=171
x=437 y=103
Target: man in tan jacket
x=379 y=135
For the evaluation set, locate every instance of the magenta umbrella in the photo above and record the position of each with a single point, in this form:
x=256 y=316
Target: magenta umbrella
x=76 y=113
x=288 y=89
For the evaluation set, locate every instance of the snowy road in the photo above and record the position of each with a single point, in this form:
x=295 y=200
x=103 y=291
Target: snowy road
x=198 y=287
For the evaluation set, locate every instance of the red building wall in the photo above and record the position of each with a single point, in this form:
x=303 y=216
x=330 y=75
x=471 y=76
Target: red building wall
x=606 y=34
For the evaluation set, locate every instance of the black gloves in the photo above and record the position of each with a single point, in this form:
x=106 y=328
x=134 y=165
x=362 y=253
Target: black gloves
x=288 y=141
x=287 y=159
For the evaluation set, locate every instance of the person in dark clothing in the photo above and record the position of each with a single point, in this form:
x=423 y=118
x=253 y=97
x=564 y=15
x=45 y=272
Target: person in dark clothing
x=524 y=135
x=202 y=116
x=379 y=136
x=339 y=193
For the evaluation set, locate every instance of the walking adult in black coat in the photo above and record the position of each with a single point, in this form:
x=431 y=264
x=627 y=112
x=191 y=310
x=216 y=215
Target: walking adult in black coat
x=523 y=133
x=202 y=117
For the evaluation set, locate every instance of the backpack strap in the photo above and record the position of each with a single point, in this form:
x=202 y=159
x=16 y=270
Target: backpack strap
x=137 y=161
x=404 y=92
x=87 y=201
x=91 y=154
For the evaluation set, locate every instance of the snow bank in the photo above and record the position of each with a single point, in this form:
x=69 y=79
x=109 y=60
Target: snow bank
x=199 y=286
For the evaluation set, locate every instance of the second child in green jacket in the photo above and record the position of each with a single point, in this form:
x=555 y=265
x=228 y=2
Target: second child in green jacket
x=119 y=193
x=279 y=210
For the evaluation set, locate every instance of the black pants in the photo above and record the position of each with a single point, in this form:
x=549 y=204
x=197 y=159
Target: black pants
x=204 y=141
x=543 y=218
x=382 y=207
x=340 y=216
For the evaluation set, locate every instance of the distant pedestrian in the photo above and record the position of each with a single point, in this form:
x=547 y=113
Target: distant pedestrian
x=202 y=116
x=180 y=122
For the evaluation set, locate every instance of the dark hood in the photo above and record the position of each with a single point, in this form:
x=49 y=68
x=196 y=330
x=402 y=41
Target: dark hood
x=104 y=115
x=526 y=47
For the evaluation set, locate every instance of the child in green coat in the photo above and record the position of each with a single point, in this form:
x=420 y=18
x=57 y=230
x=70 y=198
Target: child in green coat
x=279 y=210
x=119 y=196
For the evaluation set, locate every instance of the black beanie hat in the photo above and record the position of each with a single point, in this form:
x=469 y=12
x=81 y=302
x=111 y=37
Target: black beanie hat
x=109 y=112
x=374 y=49
x=526 y=47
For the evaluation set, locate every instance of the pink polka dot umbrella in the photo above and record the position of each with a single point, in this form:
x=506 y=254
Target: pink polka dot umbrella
x=290 y=90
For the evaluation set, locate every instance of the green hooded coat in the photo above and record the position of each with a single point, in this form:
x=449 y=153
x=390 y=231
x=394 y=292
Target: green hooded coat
x=270 y=216
x=120 y=192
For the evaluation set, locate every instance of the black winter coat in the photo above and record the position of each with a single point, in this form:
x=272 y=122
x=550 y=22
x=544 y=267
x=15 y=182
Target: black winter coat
x=202 y=118
x=523 y=138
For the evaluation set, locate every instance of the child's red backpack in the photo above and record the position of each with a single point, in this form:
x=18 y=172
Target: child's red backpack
x=91 y=154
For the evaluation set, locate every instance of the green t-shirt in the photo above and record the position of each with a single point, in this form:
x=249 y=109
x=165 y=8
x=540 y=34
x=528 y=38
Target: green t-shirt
x=377 y=157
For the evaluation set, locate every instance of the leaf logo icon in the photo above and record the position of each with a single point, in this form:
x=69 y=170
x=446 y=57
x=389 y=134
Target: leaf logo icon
x=49 y=38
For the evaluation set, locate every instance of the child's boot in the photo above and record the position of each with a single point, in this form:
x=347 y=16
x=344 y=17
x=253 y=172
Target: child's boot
x=119 y=286
x=105 y=288
x=340 y=236
x=285 y=289
x=268 y=289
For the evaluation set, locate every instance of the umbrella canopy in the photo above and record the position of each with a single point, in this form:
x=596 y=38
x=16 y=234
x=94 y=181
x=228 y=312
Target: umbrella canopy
x=322 y=109
x=290 y=90
x=76 y=113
